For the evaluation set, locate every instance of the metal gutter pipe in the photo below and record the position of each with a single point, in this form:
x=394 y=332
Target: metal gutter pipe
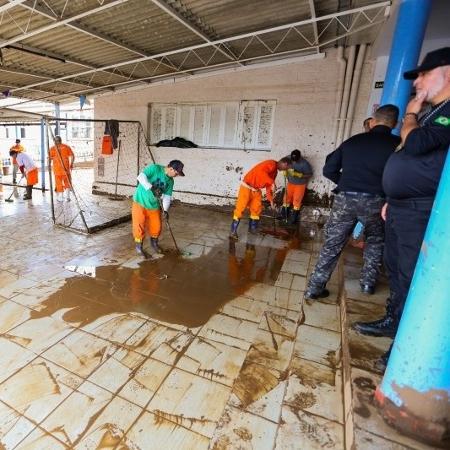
x=342 y=62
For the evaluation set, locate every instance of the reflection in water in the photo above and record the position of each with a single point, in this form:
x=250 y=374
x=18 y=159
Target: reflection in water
x=194 y=290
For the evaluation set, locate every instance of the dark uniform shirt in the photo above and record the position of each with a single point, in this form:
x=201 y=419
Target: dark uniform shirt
x=357 y=164
x=302 y=167
x=415 y=170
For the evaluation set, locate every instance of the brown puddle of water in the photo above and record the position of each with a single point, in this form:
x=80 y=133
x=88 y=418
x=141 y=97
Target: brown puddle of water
x=194 y=290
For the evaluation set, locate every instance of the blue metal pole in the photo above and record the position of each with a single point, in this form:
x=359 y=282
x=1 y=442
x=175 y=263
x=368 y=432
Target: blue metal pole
x=406 y=44
x=43 y=153
x=415 y=392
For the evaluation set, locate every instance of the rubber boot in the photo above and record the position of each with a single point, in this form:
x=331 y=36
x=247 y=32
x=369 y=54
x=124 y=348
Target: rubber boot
x=140 y=250
x=293 y=218
x=155 y=245
x=59 y=197
x=316 y=292
x=234 y=227
x=284 y=213
x=253 y=226
x=28 y=193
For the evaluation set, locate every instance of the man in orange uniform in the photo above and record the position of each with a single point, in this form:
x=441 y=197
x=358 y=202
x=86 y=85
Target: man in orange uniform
x=261 y=176
x=62 y=158
x=19 y=148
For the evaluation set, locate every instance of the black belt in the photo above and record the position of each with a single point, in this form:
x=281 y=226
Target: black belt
x=360 y=194
x=419 y=203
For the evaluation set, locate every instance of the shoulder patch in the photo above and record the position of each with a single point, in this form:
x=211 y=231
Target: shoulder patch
x=442 y=120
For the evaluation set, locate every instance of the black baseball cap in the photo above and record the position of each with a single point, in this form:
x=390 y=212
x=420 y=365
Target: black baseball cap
x=177 y=166
x=436 y=58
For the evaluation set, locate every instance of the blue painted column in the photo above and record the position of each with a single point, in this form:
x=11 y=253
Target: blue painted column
x=43 y=154
x=409 y=31
x=415 y=392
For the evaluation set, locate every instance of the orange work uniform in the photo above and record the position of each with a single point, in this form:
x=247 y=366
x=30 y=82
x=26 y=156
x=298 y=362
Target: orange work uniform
x=60 y=156
x=261 y=176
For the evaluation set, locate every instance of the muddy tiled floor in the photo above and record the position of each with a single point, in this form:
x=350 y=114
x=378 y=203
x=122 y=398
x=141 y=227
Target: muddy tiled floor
x=210 y=350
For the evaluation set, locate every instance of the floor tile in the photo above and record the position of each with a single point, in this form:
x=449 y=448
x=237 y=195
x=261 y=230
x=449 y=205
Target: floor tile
x=12 y=357
x=212 y=360
x=12 y=314
x=300 y=430
x=241 y=430
x=40 y=440
x=38 y=388
x=318 y=397
x=156 y=432
x=110 y=426
x=71 y=420
x=245 y=308
x=319 y=345
x=280 y=321
x=80 y=353
x=271 y=350
x=181 y=397
x=13 y=427
x=145 y=381
x=321 y=315
x=39 y=334
x=230 y=331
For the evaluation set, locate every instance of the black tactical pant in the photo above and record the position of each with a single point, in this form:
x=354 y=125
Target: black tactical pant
x=347 y=209
x=406 y=222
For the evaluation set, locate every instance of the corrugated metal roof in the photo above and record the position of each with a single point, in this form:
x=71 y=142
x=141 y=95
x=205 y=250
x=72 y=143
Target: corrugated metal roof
x=58 y=49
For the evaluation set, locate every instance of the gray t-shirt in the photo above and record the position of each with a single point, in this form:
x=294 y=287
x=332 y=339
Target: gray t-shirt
x=299 y=167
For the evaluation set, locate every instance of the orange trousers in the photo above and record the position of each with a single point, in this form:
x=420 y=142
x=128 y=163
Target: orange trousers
x=145 y=219
x=32 y=177
x=62 y=181
x=294 y=195
x=248 y=198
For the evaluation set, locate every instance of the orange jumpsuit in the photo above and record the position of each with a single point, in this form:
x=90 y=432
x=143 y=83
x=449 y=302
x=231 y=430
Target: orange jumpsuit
x=261 y=176
x=61 y=166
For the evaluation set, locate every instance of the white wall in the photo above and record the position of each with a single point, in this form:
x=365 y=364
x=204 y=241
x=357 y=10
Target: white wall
x=305 y=93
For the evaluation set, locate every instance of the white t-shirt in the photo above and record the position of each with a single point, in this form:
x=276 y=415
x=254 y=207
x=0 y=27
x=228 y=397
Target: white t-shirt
x=25 y=160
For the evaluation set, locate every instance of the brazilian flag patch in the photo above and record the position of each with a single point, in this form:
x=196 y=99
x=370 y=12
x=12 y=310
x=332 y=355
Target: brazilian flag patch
x=442 y=120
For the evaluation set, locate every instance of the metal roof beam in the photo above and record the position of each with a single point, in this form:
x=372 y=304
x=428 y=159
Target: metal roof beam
x=10 y=4
x=186 y=23
x=59 y=23
x=314 y=24
x=380 y=6
x=43 y=11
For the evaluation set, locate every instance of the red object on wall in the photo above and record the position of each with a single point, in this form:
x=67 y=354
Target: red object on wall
x=107 y=147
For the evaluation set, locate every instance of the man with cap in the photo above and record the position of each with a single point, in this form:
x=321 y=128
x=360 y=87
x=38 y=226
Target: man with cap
x=356 y=166
x=410 y=181
x=18 y=148
x=152 y=197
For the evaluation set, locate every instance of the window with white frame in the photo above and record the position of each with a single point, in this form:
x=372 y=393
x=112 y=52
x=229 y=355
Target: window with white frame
x=247 y=124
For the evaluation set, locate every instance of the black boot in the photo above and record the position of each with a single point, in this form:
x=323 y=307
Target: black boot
x=140 y=250
x=386 y=326
x=155 y=245
x=316 y=293
x=234 y=227
x=28 y=193
x=253 y=226
x=284 y=213
x=293 y=219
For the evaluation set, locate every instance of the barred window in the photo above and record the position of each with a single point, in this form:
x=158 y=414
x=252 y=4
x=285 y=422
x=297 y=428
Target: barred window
x=247 y=124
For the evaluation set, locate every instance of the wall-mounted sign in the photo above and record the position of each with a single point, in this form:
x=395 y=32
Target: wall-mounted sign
x=379 y=84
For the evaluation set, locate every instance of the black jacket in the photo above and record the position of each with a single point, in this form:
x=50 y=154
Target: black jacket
x=357 y=164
